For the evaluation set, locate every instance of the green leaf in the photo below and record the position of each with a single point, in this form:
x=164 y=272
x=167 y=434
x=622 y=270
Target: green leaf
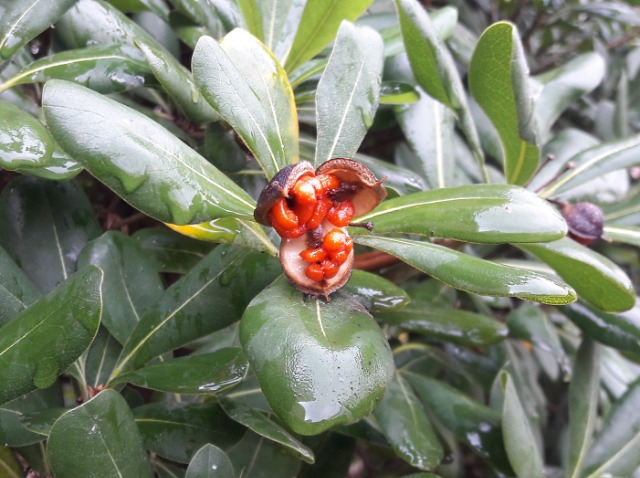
x=348 y=92
x=472 y=274
x=101 y=358
x=24 y=20
x=168 y=181
x=318 y=27
x=177 y=430
x=41 y=422
x=518 y=437
x=106 y=69
x=475 y=424
x=210 y=462
x=250 y=90
x=195 y=374
x=456 y=326
x=396 y=93
x=595 y=162
x=259 y=457
x=406 y=426
x=564 y=85
x=265 y=427
x=337 y=347
x=375 y=293
x=17 y=292
x=594 y=277
x=210 y=297
x=98 y=438
x=621 y=331
x=478 y=213
x=498 y=79
x=434 y=68
x=131 y=282
x=584 y=389
x=43 y=340
x=252 y=17
x=615 y=451
x=625 y=235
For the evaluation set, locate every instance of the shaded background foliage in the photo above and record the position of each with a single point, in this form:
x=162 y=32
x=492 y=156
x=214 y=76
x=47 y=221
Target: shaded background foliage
x=474 y=339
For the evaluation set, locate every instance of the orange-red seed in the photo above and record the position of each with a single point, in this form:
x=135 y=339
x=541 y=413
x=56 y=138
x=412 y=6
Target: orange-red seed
x=330 y=269
x=282 y=215
x=319 y=213
x=316 y=254
x=314 y=272
x=329 y=181
x=340 y=257
x=341 y=214
x=289 y=233
x=334 y=240
x=304 y=191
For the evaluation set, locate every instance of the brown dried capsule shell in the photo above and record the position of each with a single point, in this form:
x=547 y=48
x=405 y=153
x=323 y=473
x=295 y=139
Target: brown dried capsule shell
x=585 y=221
x=369 y=192
x=278 y=188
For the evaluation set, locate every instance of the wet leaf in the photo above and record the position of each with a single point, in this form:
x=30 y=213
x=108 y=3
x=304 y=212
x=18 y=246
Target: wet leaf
x=98 y=438
x=265 y=427
x=478 y=213
x=396 y=93
x=195 y=374
x=101 y=358
x=472 y=274
x=17 y=292
x=406 y=426
x=84 y=122
x=626 y=235
x=43 y=340
x=336 y=346
x=250 y=90
x=210 y=462
x=258 y=457
x=375 y=293
x=595 y=278
x=498 y=79
x=348 y=92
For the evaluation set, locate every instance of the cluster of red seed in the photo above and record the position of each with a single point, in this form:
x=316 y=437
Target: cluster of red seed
x=312 y=200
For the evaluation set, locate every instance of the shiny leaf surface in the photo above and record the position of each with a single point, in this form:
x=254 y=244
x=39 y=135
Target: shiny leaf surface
x=498 y=79
x=98 y=438
x=406 y=426
x=15 y=430
x=472 y=274
x=456 y=326
x=265 y=427
x=84 y=122
x=48 y=336
x=595 y=278
x=17 y=292
x=259 y=457
x=348 y=92
x=478 y=213
x=195 y=374
x=250 y=90
x=336 y=346
x=210 y=462
x=626 y=235
x=318 y=26
x=375 y=293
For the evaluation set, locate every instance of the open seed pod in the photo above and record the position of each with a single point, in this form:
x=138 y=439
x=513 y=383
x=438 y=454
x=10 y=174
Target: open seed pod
x=585 y=221
x=311 y=211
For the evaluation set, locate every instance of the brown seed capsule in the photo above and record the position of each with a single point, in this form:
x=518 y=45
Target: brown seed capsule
x=312 y=209
x=585 y=221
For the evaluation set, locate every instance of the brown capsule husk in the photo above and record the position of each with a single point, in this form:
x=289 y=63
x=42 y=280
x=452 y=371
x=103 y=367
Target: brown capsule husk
x=585 y=221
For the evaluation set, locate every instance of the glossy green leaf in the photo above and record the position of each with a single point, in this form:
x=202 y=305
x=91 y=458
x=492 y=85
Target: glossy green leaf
x=594 y=277
x=336 y=346
x=9 y=464
x=44 y=339
x=404 y=422
x=519 y=441
x=477 y=425
x=98 y=438
x=584 y=389
x=626 y=235
x=84 y=123
x=172 y=252
x=45 y=226
x=195 y=374
x=318 y=27
x=595 y=162
x=250 y=90
x=434 y=68
x=564 y=85
x=265 y=427
x=101 y=358
x=615 y=450
x=348 y=92
x=228 y=230
x=41 y=422
x=472 y=274
x=621 y=331
x=375 y=293
x=624 y=213
x=498 y=79
x=210 y=297
x=259 y=457
x=107 y=69
x=24 y=20
x=478 y=213
x=17 y=292
x=177 y=430
x=395 y=93
x=210 y=462
x=456 y=326
x=252 y=17
x=130 y=281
